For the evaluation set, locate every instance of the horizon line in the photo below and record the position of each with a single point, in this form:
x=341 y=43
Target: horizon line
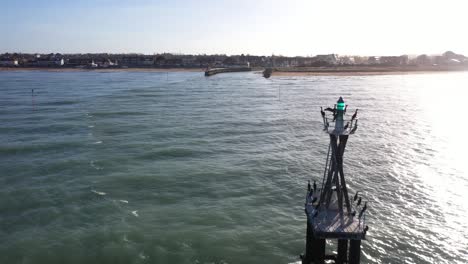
x=218 y=54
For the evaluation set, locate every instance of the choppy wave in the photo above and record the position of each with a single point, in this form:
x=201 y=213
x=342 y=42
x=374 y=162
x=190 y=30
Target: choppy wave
x=168 y=153
x=59 y=103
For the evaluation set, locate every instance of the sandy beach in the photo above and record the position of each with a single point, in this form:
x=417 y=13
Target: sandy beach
x=360 y=73
x=364 y=70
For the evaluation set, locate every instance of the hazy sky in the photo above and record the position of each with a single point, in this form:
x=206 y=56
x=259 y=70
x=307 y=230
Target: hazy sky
x=296 y=27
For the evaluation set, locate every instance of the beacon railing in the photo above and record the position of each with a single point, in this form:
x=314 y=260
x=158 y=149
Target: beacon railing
x=357 y=210
x=350 y=124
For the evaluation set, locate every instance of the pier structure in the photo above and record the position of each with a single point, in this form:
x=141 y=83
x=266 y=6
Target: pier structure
x=210 y=72
x=331 y=215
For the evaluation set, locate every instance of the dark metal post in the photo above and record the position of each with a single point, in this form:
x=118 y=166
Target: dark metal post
x=310 y=245
x=354 y=251
x=319 y=256
x=342 y=251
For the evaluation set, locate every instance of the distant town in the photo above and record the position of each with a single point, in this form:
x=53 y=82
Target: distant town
x=170 y=60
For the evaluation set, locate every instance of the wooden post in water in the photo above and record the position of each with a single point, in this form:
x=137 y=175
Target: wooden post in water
x=330 y=212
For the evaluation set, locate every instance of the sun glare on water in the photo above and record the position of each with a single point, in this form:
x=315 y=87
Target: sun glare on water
x=444 y=124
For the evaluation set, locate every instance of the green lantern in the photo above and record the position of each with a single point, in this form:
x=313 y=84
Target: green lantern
x=340 y=105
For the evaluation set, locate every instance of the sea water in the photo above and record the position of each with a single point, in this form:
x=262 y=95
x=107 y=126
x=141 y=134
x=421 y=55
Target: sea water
x=147 y=167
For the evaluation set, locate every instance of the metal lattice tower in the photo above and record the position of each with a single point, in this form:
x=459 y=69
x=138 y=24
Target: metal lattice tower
x=330 y=213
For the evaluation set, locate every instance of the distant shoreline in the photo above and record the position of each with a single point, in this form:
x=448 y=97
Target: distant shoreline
x=287 y=71
x=67 y=69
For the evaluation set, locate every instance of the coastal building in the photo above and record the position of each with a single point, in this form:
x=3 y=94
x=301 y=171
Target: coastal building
x=422 y=60
x=439 y=60
x=147 y=61
x=205 y=60
x=78 y=61
x=280 y=61
x=293 y=62
x=138 y=61
x=130 y=60
x=360 y=60
x=453 y=62
x=453 y=59
x=49 y=61
x=305 y=61
x=189 y=61
x=9 y=62
x=93 y=64
x=159 y=60
x=108 y=63
x=330 y=59
x=373 y=60
x=393 y=60
x=346 y=60
x=404 y=60
x=173 y=62
x=449 y=58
